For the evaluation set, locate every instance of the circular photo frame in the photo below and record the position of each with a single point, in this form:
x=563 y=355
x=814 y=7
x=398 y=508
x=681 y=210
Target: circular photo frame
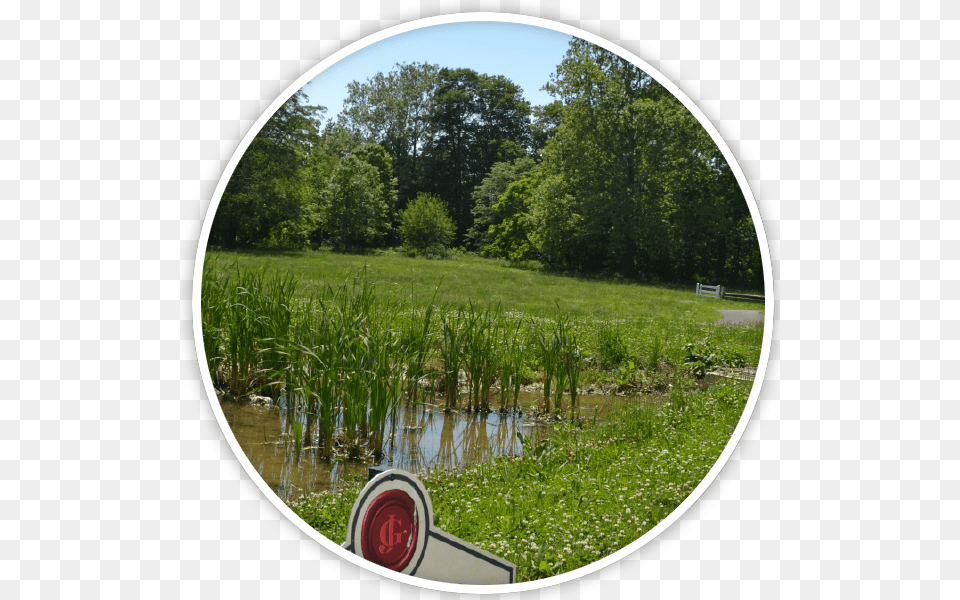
x=499 y=271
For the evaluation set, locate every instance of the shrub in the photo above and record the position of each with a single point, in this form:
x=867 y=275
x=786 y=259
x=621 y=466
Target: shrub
x=425 y=225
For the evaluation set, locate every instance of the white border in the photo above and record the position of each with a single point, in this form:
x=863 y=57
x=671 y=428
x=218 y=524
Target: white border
x=767 y=277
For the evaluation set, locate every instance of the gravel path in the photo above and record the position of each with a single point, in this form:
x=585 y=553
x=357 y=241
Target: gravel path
x=741 y=317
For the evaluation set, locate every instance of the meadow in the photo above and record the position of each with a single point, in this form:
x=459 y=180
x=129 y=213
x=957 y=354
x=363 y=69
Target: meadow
x=341 y=342
x=629 y=334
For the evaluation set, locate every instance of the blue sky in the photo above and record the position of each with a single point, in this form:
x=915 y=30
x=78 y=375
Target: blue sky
x=525 y=54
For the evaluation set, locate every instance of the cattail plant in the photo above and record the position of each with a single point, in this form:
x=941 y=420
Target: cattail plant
x=560 y=344
x=548 y=355
x=572 y=363
x=513 y=345
x=419 y=341
x=242 y=327
x=452 y=351
x=480 y=361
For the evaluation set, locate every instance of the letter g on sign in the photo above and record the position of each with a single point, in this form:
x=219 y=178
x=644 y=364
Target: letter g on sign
x=388 y=535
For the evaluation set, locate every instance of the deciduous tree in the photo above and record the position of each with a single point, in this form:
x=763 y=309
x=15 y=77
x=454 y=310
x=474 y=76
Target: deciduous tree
x=269 y=196
x=353 y=213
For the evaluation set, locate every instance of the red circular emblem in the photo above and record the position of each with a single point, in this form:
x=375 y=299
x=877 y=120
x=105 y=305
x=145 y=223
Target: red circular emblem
x=388 y=535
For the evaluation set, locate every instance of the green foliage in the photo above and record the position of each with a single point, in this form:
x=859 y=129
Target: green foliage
x=614 y=177
x=476 y=121
x=578 y=495
x=486 y=195
x=703 y=357
x=269 y=198
x=394 y=110
x=425 y=226
x=512 y=226
x=626 y=374
x=630 y=183
x=611 y=348
x=353 y=207
x=377 y=157
x=545 y=123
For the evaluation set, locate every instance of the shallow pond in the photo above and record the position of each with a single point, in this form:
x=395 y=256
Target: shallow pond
x=425 y=437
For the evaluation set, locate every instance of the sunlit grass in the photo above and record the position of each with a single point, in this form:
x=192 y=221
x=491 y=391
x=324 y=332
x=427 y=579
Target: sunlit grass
x=469 y=278
x=344 y=340
x=577 y=496
x=654 y=323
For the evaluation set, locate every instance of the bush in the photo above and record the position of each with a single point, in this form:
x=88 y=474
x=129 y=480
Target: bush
x=425 y=225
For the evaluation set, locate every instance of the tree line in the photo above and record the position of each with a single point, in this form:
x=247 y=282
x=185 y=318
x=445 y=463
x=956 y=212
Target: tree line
x=614 y=177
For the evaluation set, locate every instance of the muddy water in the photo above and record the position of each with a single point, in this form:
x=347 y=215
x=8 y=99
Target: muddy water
x=425 y=437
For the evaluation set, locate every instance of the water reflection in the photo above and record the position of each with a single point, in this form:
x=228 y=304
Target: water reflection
x=424 y=437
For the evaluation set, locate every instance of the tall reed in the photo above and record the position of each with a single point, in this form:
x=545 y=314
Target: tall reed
x=479 y=336
x=573 y=365
x=558 y=353
x=561 y=342
x=275 y=316
x=419 y=340
x=513 y=356
x=213 y=310
x=549 y=358
x=242 y=329
x=334 y=362
x=452 y=353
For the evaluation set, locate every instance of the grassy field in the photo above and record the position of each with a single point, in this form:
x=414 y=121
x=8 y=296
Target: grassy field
x=346 y=340
x=491 y=281
x=649 y=323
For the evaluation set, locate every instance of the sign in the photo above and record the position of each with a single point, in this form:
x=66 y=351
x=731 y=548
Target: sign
x=391 y=524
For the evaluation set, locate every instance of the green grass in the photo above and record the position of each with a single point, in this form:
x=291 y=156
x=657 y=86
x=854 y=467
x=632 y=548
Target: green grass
x=350 y=338
x=470 y=278
x=577 y=496
x=654 y=324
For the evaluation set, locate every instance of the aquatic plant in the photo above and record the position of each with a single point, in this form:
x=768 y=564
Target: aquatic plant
x=452 y=353
x=512 y=363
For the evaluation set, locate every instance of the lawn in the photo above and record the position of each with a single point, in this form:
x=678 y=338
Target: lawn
x=471 y=278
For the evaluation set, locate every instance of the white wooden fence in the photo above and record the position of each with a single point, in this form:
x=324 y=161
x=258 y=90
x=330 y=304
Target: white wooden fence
x=710 y=291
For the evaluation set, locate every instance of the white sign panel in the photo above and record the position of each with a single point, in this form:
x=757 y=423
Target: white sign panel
x=391 y=524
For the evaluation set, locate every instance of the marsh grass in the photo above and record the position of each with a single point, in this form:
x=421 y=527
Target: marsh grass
x=419 y=339
x=340 y=355
x=512 y=363
x=213 y=310
x=452 y=352
x=343 y=356
x=333 y=362
x=340 y=352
